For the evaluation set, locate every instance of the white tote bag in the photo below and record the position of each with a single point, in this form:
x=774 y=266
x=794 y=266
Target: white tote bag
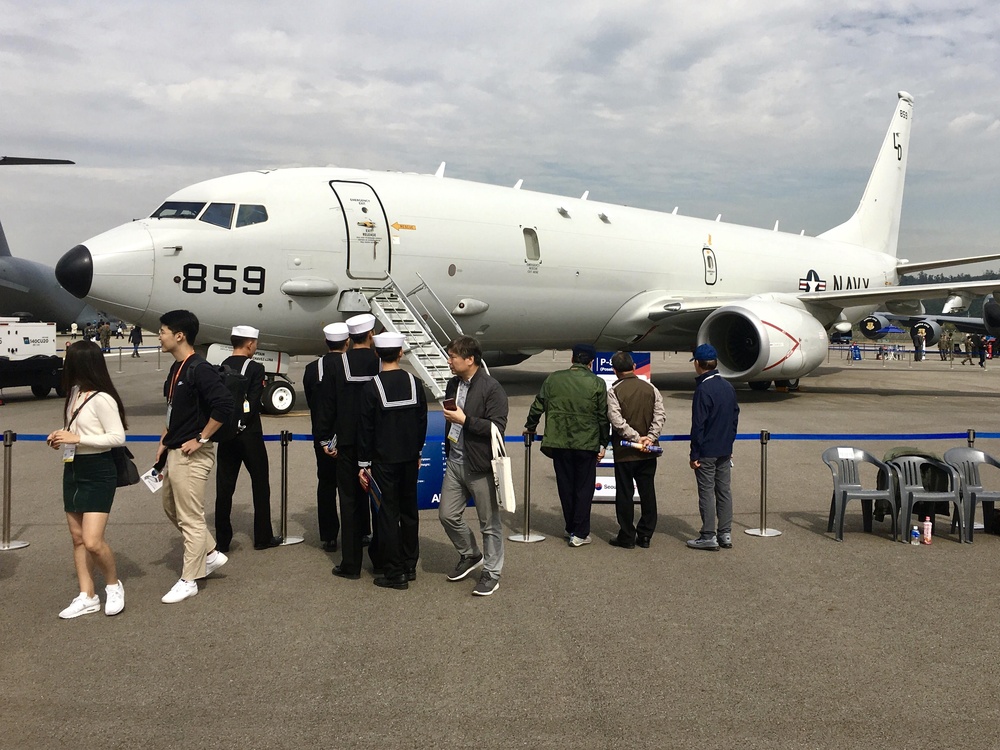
x=502 y=474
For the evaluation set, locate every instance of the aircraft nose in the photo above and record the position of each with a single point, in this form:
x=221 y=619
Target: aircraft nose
x=75 y=271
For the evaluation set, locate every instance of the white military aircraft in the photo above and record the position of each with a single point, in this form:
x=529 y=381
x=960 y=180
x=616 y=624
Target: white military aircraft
x=290 y=250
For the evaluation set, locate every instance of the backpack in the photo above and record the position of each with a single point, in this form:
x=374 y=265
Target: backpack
x=237 y=383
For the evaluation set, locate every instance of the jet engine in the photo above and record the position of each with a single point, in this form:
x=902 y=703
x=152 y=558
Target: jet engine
x=931 y=329
x=991 y=316
x=871 y=326
x=765 y=338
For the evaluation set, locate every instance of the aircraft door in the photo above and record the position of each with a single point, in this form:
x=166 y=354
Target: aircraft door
x=711 y=270
x=367 y=230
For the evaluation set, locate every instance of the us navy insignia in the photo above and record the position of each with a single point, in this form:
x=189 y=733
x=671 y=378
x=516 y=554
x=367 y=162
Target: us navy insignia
x=812 y=283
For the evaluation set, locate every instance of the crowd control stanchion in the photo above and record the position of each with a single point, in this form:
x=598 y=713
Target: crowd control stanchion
x=9 y=438
x=120 y=370
x=971 y=438
x=286 y=438
x=527 y=536
x=159 y=351
x=763 y=530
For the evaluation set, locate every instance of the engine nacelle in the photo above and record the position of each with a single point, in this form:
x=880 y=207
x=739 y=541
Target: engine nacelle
x=991 y=316
x=765 y=339
x=872 y=326
x=931 y=329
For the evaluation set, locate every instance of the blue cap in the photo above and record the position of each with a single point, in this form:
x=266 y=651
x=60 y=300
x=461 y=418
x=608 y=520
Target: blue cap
x=704 y=353
x=585 y=349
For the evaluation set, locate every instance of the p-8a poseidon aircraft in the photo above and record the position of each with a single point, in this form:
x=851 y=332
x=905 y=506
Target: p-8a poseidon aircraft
x=290 y=250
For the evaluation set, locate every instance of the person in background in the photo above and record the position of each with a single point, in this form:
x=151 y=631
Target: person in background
x=135 y=339
x=714 y=420
x=967 y=346
x=575 y=405
x=94 y=423
x=319 y=375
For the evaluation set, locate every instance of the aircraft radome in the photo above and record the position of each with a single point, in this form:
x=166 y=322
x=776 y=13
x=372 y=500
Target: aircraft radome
x=290 y=250
x=29 y=289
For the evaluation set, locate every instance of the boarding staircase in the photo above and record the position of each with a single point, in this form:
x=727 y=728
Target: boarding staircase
x=407 y=313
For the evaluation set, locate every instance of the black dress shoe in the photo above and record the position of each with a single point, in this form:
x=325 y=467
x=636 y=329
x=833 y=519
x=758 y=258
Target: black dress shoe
x=366 y=539
x=337 y=571
x=411 y=574
x=392 y=582
x=330 y=546
x=642 y=541
x=619 y=542
x=274 y=541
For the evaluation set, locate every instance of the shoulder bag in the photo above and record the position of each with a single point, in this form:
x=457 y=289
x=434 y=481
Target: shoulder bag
x=502 y=474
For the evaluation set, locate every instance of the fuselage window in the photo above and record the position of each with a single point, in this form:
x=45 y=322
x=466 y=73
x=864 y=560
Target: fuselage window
x=250 y=214
x=531 y=250
x=711 y=269
x=178 y=210
x=220 y=214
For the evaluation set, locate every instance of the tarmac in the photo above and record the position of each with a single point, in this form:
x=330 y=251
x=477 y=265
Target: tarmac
x=794 y=641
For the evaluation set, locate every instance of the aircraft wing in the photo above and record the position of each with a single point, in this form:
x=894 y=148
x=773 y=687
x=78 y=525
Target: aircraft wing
x=842 y=298
x=905 y=266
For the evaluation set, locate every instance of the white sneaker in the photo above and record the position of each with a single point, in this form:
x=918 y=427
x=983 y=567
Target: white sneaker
x=182 y=590
x=579 y=541
x=82 y=605
x=116 y=599
x=214 y=561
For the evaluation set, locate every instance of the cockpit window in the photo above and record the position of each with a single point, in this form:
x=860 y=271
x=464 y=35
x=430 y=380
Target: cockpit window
x=178 y=210
x=250 y=214
x=220 y=214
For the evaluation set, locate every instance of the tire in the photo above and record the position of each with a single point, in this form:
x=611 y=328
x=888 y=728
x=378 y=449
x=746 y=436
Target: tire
x=278 y=398
x=40 y=391
x=759 y=385
x=790 y=385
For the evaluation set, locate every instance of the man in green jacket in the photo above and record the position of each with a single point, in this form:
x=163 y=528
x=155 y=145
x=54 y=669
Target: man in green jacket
x=575 y=405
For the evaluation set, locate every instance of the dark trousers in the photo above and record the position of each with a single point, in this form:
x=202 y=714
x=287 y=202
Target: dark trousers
x=642 y=472
x=397 y=519
x=576 y=474
x=326 y=495
x=246 y=449
x=354 y=513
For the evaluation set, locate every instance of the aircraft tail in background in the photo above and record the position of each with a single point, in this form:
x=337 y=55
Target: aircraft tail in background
x=875 y=225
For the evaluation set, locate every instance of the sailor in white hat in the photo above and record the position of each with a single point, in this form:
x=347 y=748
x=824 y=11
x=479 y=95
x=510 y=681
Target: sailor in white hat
x=318 y=381
x=391 y=433
x=247 y=448
x=360 y=365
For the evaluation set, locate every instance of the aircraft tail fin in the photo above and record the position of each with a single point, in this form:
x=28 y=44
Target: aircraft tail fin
x=4 y=247
x=875 y=225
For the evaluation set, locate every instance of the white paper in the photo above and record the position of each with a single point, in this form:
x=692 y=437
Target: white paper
x=153 y=481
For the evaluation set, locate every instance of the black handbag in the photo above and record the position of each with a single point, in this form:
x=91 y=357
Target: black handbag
x=125 y=468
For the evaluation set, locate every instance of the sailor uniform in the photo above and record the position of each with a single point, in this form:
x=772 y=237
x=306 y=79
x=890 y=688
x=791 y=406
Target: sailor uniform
x=317 y=375
x=391 y=434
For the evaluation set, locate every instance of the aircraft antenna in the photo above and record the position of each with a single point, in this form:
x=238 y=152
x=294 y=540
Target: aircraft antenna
x=517 y=185
x=440 y=171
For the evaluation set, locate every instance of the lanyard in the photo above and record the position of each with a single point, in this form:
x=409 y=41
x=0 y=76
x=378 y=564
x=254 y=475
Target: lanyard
x=173 y=382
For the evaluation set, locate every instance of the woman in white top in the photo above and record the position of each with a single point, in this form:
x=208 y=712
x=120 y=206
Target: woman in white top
x=94 y=424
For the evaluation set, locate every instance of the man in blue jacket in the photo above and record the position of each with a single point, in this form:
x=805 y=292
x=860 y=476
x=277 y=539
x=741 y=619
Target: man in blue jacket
x=715 y=416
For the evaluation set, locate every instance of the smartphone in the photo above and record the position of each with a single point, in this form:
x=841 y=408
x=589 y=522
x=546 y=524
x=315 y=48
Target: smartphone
x=449 y=404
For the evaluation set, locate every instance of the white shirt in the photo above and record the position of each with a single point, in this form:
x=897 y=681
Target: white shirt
x=98 y=424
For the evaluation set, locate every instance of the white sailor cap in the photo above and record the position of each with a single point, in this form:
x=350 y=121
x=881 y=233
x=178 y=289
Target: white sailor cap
x=246 y=332
x=389 y=340
x=361 y=323
x=336 y=332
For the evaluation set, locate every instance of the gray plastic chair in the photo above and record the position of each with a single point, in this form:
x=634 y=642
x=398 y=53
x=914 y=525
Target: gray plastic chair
x=909 y=479
x=845 y=464
x=967 y=461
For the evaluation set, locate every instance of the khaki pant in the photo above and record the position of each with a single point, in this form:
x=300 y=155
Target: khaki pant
x=184 y=503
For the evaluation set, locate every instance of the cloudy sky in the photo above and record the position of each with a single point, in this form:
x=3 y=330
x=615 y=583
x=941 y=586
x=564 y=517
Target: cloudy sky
x=718 y=107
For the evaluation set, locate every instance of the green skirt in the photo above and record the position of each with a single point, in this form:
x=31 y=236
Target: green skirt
x=89 y=483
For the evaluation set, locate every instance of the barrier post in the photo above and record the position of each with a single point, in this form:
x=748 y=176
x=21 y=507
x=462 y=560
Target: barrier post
x=971 y=438
x=159 y=351
x=286 y=438
x=763 y=530
x=527 y=536
x=120 y=370
x=9 y=438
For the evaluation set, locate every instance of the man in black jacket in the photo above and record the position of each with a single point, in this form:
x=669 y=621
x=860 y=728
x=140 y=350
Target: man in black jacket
x=319 y=375
x=245 y=449
x=198 y=404
x=473 y=401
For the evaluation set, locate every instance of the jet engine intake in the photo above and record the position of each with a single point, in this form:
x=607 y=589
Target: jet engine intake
x=872 y=326
x=932 y=331
x=765 y=339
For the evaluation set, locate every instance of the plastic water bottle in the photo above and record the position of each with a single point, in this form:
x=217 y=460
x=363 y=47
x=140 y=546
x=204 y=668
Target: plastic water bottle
x=927 y=530
x=654 y=449
x=914 y=535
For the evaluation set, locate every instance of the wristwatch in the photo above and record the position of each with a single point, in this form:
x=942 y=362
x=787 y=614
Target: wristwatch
x=202 y=440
